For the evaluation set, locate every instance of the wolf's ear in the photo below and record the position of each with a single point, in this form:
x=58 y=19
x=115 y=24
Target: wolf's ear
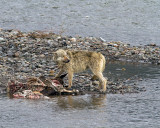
x=54 y=55
x=68 y=53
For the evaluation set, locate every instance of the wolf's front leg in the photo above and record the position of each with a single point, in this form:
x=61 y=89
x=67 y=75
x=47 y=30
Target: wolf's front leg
x=70 y=77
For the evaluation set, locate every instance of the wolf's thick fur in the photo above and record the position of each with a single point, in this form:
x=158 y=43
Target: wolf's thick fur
x=78 y=61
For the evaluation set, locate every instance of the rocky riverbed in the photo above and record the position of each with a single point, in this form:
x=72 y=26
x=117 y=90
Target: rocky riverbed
x=30 y=54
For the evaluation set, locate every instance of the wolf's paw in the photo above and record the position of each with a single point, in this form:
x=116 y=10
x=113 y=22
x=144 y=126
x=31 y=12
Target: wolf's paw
x=102 y=91
x=68 y=88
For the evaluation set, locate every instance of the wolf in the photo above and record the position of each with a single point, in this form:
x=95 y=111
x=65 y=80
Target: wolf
x=75 y=61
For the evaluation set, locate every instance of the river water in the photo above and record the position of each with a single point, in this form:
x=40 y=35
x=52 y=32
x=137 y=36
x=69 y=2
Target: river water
x=135 y=110
x=131 y=21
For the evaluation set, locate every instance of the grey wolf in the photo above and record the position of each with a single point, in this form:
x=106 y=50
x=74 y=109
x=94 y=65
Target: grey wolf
x=71 y=61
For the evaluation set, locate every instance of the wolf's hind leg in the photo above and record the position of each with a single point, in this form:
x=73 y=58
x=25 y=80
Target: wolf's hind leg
x=102 y=81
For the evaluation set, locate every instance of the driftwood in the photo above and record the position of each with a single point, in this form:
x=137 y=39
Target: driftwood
x=36 y=88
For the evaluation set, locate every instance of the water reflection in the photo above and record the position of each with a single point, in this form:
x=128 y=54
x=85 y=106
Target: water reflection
x=81 y=102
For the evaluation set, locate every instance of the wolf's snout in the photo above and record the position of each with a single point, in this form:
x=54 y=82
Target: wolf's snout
x=66 y=60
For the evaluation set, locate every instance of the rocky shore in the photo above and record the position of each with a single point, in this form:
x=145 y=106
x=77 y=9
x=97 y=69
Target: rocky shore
x=30 y=54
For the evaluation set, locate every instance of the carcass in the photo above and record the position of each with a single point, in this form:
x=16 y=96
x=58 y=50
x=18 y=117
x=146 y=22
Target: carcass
x=38 y=88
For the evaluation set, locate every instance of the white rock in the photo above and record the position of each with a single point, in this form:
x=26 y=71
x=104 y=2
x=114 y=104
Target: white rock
x=87 y=16
x=1 y=39
x=105 y=44
x=73 y=39
x=102 y=39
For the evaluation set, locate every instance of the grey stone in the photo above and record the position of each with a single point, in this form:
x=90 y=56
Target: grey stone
x=10 y=53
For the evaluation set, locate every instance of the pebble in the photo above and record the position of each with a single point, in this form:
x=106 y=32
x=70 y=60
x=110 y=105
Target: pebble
x=73 y=39
x=2 y=39
x=10 y=53
x=42 y=56
x=1 y=49
x=103 y=40
x=17 y=54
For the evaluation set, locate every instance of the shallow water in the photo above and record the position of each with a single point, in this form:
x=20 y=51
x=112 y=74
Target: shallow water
x=131 y=21
x=135 y=110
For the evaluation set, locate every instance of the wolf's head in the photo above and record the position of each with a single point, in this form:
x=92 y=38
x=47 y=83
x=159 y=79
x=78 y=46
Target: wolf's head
x=61 y=56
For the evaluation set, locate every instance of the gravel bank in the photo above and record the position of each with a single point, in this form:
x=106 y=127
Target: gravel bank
x=29 y=54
